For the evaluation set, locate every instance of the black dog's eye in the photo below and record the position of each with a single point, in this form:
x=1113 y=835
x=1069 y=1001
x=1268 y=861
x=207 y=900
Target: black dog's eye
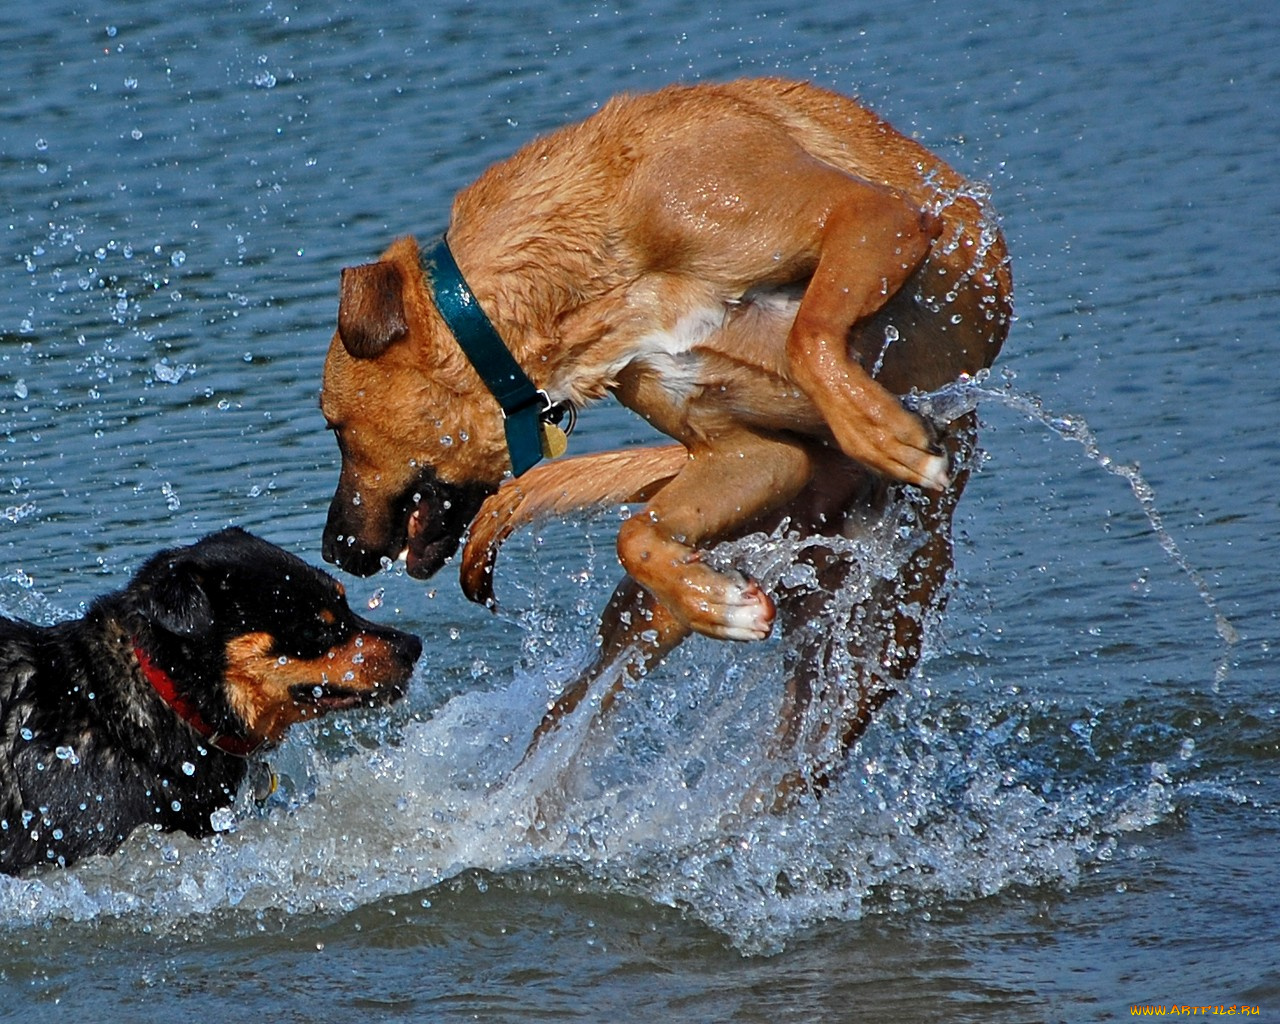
x=313 y=636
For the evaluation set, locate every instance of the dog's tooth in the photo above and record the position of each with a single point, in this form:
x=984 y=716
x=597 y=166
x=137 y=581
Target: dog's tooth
x=404 y=555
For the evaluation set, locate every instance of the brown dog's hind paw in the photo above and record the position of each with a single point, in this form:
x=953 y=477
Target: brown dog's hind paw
x=893 y=441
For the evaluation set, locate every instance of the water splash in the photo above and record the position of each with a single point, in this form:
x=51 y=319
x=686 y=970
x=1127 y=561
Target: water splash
x=952 y=796
x=946 y=801
x=962 y=396
x=949 y=802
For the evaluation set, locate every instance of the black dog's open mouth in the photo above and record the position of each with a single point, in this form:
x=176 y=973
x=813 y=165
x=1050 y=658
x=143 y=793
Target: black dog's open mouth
x=326 y=697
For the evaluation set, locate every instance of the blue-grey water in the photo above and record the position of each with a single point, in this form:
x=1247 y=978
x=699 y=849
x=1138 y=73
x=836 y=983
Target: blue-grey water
x=1074 y=809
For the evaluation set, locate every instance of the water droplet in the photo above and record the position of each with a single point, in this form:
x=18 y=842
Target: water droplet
x=168 y=374
x=20 y=389
x=375 y=599
x=188 y=768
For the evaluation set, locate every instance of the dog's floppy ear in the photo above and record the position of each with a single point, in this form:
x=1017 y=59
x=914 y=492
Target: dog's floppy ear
x=178 y=603
x=371 y=309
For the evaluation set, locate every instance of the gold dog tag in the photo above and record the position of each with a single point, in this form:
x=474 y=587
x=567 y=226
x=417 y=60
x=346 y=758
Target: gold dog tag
x=555 y=442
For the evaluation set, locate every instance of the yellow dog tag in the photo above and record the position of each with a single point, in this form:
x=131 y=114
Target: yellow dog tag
x=555 y=442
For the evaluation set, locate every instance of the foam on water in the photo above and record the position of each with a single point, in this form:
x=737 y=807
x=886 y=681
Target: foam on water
x=944 y=802
x=953 y=793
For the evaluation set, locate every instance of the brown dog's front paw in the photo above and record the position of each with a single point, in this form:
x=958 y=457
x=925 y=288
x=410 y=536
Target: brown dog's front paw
x=727 y=606
x=748 y=613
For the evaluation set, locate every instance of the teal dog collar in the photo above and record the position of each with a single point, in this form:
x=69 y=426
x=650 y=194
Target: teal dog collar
x=530 y=418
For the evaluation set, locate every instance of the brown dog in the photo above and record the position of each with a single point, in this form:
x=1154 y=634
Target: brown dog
x=757 y=269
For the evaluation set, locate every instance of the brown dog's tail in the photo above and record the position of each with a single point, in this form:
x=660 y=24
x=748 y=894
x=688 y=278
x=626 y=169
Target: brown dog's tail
x=556 y=488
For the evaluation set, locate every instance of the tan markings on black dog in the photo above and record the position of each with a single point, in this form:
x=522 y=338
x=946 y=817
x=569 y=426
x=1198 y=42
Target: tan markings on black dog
x=272 y=692
x=757 y=268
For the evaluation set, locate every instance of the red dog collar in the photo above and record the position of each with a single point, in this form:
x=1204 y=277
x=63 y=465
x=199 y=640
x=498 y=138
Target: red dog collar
x=167 y=691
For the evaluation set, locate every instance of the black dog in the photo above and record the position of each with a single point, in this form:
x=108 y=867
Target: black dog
x=145 y=711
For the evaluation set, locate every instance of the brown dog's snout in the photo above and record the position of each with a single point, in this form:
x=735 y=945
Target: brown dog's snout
x=356 y=538
x=426 y=523
x=343 y=544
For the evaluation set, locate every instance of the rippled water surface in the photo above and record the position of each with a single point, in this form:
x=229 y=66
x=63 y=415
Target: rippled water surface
x=1073 y=811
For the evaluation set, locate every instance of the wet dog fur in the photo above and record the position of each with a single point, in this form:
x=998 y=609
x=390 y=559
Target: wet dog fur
x=759 y=269
x=144 y=711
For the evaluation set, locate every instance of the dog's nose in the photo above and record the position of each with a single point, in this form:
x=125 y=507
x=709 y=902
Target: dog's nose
x=409 y=647
x=404 y=648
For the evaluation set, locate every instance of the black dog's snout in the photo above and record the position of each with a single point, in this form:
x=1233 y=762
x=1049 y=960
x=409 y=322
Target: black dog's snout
x=407 y=646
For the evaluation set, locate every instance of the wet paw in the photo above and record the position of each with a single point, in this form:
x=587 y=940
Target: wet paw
x=727 y=606
x=897 y=444
x=749 y=614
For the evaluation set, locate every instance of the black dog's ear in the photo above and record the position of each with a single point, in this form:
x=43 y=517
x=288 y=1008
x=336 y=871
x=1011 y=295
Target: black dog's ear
x=371 y=309
x=178 y=602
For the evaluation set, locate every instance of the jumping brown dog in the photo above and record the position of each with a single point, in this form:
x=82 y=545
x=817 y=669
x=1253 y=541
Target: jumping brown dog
x=757 y=268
